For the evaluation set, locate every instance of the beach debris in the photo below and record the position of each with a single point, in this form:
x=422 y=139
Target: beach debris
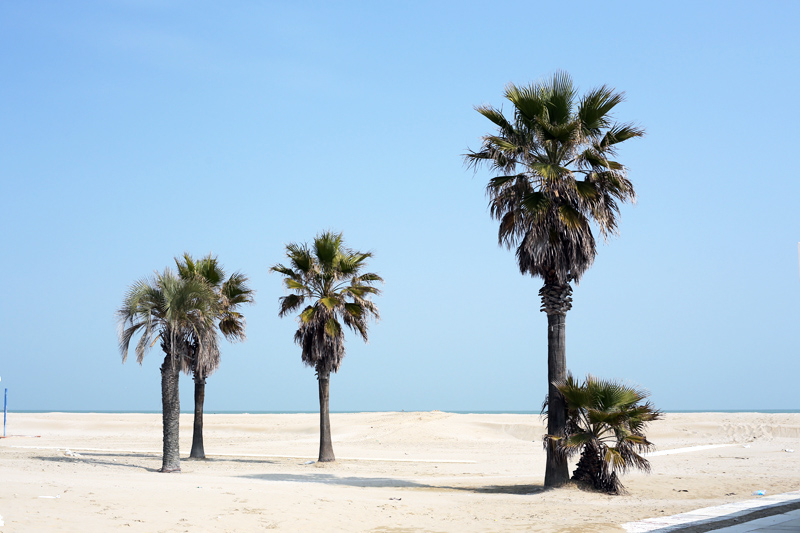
x=1 y=521
x=308 y=463
x=51 y=497
x=70 y=453
x=760 y=493
x=398 y=499
x=789 y=450
x=746 y=446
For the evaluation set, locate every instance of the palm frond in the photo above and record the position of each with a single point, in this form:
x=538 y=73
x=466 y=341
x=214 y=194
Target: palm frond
x=620 y=133
x=286 y=271
x=308 y=314
x=333 y=328
x=572 y=218
x=299 y=257
x=330 y=302
x=294 y=285
x=368 y=277
x=290 y=303
x=595 y=107
x=327 y=248
x=496 y=116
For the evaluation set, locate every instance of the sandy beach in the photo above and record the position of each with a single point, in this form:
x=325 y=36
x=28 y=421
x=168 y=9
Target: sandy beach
x=395 y=472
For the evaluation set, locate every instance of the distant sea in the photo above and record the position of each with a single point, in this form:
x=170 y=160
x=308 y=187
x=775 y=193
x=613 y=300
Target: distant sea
x=210 y=412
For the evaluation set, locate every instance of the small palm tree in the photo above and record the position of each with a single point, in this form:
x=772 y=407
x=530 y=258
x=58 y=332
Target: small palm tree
x=557 y=177
x=605 y=423
x=326 y=282
x=180 y=313
x=231 y=293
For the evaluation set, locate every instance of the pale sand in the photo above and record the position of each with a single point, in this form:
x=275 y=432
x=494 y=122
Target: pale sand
x=488 y=476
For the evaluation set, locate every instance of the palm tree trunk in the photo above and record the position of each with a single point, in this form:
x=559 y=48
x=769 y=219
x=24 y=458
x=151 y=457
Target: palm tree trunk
x=589 y=468
x=198 y=452
x=325 y=444
x=593 y=471
x=556 y=301
x=170 y=415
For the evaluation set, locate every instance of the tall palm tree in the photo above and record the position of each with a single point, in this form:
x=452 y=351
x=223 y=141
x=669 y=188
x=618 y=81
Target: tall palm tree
x=557 y=177
x=180 y=313
x=326 y=282
x=231 y=293
x=605 y=423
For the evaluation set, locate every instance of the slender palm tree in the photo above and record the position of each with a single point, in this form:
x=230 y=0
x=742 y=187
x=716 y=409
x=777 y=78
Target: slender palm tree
x=231 y=293
x=326 y=281
x=180 y=313
x=557 y=177
x=605 y=423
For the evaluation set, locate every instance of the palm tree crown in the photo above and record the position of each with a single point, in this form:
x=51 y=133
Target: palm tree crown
x=557 y=174
x=326 y=278
x=231 y=293
x=179 y=312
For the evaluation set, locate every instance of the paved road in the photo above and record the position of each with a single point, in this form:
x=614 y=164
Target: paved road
x=782 y=523
x=726 y=517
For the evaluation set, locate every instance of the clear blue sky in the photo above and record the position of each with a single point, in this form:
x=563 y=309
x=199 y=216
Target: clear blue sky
x=132 y=131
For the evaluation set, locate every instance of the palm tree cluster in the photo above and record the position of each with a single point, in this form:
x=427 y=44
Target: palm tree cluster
x=183 y=311
x=557 y=183
x=187 y=310
x=557 y=177
x=605 y=424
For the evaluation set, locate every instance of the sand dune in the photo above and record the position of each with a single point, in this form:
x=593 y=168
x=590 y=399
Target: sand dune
x=396 y=472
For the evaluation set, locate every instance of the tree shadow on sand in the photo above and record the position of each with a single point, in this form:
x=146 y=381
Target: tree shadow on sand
x=330 y=479
x=354 y=481
x=245 y=460
x=523 y=490
x=88 y=459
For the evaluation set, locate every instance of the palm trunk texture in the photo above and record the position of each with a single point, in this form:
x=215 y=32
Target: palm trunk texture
x=592 y=472
x=588 y=467
x=325 y=444
x=170 y=416
x=198 y=452
x=556 y=301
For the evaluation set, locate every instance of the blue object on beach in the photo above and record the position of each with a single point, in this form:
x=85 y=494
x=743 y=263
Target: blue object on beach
x=760 y=493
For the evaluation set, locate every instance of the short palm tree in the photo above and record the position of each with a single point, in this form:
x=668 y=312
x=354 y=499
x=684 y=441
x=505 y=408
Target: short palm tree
x=231 y=294
x=605 y=423
x=326 y=281
x=557 y=177
x=181 y=314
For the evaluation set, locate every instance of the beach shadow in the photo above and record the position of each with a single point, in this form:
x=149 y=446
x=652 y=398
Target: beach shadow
x=524 y=490
x=86 y=458
x=232 y=460
x=353 y=481
x=329 y=479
